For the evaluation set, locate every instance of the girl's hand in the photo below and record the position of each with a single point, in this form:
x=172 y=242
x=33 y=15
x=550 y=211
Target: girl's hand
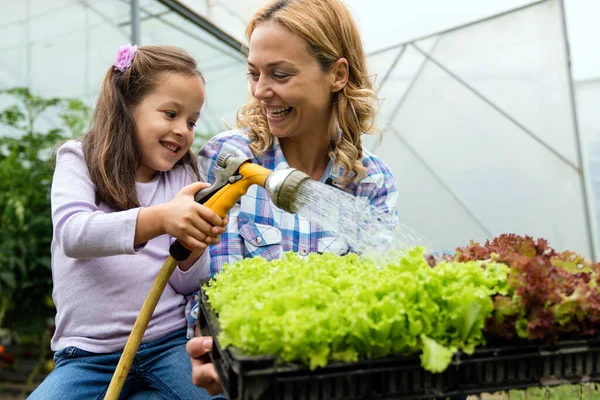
x=190 y=222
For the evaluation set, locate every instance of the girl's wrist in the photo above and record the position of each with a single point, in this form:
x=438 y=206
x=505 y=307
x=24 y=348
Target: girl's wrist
x=160 y=215
x=150 y=223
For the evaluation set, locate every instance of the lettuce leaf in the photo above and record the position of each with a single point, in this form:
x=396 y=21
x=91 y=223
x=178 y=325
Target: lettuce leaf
x=327 y=308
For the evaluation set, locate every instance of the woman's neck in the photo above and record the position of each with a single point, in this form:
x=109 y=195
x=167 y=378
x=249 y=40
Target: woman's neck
x=309 y=155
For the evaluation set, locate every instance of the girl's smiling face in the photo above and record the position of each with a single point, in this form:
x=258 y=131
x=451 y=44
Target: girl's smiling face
x=165 y=119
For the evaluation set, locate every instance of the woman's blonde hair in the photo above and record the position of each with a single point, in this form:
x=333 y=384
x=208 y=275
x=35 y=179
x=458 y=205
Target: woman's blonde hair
x=109 y=146
x=330 y=33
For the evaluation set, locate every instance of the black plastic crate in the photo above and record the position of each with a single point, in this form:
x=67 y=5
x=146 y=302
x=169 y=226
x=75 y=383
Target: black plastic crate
x=488 y=369
x=497 y=368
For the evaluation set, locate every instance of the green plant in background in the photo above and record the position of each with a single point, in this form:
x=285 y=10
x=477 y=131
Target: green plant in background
x=29 y=128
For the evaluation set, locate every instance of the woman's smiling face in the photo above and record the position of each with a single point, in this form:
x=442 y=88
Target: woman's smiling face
x=295 y=94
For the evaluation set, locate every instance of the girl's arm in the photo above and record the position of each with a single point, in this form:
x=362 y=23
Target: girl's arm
x=84 y=230
x=81 y=228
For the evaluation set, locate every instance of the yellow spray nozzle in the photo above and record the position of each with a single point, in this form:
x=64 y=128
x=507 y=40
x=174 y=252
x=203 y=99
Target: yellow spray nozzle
x=237 y=174
x=234 y=176
x=248 y=174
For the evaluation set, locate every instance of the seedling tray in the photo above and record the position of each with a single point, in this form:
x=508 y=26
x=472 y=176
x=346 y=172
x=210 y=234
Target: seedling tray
x=488 y=369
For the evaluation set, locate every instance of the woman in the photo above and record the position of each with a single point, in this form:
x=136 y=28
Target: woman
x=312 y=101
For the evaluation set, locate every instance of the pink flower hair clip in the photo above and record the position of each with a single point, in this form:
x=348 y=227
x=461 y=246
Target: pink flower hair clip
x=124 y=57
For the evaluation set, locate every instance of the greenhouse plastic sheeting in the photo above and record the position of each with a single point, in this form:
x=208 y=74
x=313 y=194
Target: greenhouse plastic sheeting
x=479 y=129
x=64 y=47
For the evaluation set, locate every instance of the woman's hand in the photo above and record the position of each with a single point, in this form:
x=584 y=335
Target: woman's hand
x=204 y=373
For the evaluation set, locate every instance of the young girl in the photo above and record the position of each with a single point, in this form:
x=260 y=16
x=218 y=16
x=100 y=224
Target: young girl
x=120 y=197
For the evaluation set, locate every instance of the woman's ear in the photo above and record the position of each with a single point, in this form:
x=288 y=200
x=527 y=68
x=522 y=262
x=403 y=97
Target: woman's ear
x=340 y=73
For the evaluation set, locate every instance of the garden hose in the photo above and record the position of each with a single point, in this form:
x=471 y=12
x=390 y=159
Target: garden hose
x=234 y=176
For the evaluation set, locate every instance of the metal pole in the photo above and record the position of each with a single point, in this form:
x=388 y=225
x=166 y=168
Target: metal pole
x=180 y=9
x=135 y=22
x=581 y=157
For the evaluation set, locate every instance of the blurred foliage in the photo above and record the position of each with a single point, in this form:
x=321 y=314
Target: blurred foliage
x=29 y=128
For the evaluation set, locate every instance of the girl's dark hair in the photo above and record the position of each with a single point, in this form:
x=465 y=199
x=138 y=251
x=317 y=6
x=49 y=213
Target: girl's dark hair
x=110 y=147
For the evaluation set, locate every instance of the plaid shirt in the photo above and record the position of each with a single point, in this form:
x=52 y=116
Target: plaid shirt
x=258 y=228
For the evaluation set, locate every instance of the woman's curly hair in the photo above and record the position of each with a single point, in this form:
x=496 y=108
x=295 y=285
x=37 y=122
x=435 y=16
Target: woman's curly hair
x=330 y=32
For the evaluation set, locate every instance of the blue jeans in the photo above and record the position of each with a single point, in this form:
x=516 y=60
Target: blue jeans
x=160 y=370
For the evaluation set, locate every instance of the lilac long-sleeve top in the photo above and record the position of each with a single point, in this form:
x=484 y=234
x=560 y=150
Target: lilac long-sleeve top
x=100 y=277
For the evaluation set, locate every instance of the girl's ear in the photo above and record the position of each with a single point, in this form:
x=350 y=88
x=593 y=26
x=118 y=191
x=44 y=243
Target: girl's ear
x=340 y=73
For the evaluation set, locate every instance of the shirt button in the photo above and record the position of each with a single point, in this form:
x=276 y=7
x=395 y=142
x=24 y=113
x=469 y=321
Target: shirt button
x=303 y=252
x=259 y=240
